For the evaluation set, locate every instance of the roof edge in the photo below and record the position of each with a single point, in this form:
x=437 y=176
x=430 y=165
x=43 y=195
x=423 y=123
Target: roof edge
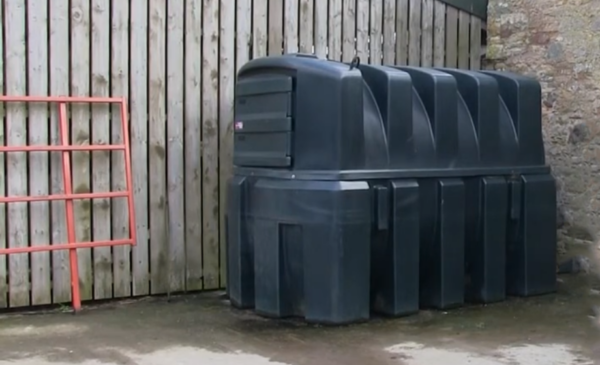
x=477 y=8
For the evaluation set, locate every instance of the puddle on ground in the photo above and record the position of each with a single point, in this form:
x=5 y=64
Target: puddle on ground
x=173 y=355
x=412 y=353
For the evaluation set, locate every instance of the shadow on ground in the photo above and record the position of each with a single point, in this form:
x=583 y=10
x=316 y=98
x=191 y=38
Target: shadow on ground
x=203 y=329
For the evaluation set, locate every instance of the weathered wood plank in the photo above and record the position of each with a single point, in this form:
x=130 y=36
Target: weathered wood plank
x=291 y=26
x=475 y=47
x=451 y=37
x=226 y=95
x=427 y=33
x=80 y=135
x=16 y=135
x=193 y=149
x=439 y=33
x=119 y=88
x=275 y=30
x=348 y=30
x=3 y=227
x=464 y=22
x=243 y=39
x=414 y=33
x=306 y=25
x=139 y=143
x=37 y=73
x=321 y=24
x=210 y=143
x=101 y=168
x=59 y=85
x=175 y=156
x=159 y=238
x=260 y=35
x=335 y=36
x=389 y=32
x=362 y=30
x=376 y=32
x=402 y=34
x=335 y=30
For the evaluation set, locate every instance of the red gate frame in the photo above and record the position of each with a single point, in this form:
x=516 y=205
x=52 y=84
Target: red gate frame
x=66 y=148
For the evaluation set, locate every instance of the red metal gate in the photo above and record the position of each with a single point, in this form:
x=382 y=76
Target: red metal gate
x=66 y=148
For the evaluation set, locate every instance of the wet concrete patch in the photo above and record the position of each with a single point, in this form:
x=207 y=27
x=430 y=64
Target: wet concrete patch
x=174 y=355
x=412 y=353
x=188 y=328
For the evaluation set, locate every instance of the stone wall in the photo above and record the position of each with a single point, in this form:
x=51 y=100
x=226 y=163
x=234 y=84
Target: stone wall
x=558 y=42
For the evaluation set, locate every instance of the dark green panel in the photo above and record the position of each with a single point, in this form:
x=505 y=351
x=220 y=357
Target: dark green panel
x=475 y=7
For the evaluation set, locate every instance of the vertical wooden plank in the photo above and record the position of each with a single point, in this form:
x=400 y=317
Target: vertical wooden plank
x=306 y=25
x=101 y=168
x=439 y=33
x=375 y=32
x=59 y=85
x=335 y=29
x=451 y=37
x=119 y=76
x=362 y=30
x=244 y=32
x=259 y=31
x=475 y=48
x=193 y=151
x=80 y=135
x=16 y=135
x=159 y=239
x=226 y=95
x=348 y=30
x=275 y=30
x=427 y=33
x=464 y=36
x=321 y=24
x=389 y=32
x=39 y=171
x=402 y=32
x=291 y=26
x=210 y=143
x=175 y=166
x=138 y=101
x=414 y=33
x=3 y=228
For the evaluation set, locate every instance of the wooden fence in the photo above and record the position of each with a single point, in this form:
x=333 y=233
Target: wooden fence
x=175 y=61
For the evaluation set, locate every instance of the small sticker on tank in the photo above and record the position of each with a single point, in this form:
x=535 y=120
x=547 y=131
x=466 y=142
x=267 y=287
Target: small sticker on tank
x=239 y=125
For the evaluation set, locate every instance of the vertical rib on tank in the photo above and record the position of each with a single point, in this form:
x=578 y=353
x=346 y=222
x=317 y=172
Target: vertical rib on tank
x=362 y=188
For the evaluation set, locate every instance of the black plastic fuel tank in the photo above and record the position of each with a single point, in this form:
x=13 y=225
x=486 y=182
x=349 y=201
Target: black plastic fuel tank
x=362 y=188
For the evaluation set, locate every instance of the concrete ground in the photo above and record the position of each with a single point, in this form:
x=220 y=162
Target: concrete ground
x=203 y=329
